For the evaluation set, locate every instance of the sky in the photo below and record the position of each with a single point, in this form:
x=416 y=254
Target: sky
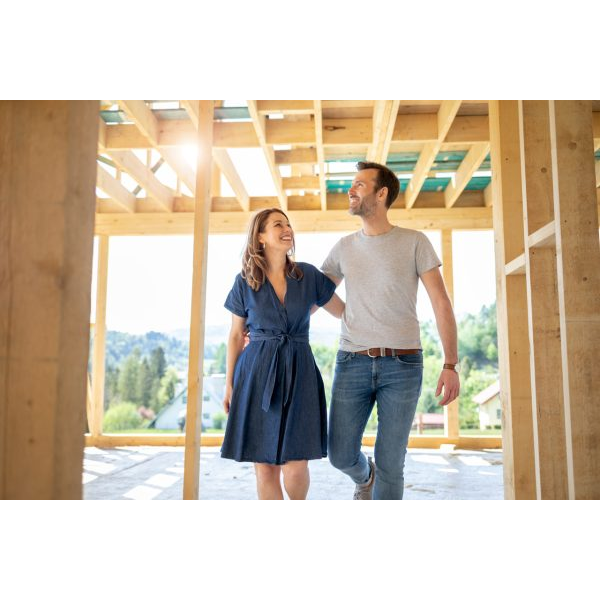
x=149 y=280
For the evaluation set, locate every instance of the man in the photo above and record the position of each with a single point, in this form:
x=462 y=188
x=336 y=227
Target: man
x=380 y=358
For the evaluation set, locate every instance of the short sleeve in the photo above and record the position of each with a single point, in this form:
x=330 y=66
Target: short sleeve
x=332 y=265
x=325 y=288
x=425 y=256
x=235 y=299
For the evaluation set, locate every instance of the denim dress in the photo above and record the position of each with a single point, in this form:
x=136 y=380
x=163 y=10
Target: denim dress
x=278 y=411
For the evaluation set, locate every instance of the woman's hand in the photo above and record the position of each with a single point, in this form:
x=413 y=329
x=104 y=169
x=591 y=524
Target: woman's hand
x=227 y=398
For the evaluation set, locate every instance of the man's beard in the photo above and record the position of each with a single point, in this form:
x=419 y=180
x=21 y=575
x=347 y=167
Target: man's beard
x=365 y=208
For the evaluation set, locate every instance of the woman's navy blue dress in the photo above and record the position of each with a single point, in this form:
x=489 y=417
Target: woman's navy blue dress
x=278 y=410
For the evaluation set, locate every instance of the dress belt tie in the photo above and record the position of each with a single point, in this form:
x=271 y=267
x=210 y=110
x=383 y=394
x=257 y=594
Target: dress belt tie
x=284 y=345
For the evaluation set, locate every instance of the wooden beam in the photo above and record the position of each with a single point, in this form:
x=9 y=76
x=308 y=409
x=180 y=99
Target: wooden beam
x=226 y=166
x=409 y=129
x=47 y=148
x=300 y=183
x=193 y=425
x=384 y=122
x=132 y=165
x=115 y=189
x=578 y=283
x=285 y=107
x=445 y=116
x=471 y=162
x=260 y=126
x=306 y=220
x=99 y=348
x=513 y=339
x=215 y=440
x=297 y=156
x=320 y=153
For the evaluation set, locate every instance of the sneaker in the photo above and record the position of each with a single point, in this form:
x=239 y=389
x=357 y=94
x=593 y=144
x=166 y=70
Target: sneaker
x=364 y=491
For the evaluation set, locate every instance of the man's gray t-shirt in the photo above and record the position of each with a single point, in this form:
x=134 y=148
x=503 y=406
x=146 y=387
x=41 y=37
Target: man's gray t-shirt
x=382 y=276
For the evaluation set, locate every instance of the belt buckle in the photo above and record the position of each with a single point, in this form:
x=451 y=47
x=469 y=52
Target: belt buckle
x=369 y=353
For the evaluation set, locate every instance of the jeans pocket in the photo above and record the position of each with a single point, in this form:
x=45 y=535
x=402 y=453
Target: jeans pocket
x=411 y=360
x=342 y=357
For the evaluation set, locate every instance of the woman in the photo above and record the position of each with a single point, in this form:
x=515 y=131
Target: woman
x=274 y=393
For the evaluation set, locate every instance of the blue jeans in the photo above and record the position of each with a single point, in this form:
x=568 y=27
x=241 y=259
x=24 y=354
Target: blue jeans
x=394 y=383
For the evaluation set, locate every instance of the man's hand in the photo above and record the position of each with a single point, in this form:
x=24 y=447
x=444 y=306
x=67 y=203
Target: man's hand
x=450 y=383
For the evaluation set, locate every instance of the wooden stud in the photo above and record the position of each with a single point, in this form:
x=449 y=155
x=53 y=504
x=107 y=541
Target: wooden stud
x=513 y=340
x=544 y=325
x=99 y=348
x=196 y=354
x=384 y=122
x=578 y=282
x=47 y=199
x=451 y=421
x=320 y=153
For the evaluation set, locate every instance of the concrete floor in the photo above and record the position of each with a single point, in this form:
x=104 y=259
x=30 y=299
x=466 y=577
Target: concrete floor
x=156 y=473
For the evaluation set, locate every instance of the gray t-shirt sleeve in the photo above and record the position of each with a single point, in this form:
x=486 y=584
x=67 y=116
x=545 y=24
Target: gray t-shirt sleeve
x=425 y=256
x=332 y=265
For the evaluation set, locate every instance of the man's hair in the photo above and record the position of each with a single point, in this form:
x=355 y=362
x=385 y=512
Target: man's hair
x=385 y=178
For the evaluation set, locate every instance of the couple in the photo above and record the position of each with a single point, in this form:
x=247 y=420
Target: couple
x=274 y=391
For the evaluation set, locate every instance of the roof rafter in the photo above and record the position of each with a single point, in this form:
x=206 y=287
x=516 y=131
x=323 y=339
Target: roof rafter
x=145 y=120
x=471 y=162
x=226 y=166
x=384 y=123
x=445 y=117
x=259 y=122
x=131 y=164
x=115 y=190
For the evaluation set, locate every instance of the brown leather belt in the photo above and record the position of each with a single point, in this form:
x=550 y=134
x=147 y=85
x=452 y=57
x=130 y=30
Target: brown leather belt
x=375 y=352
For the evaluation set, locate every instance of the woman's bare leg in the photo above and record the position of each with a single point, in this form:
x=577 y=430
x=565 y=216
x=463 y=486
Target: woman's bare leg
x=296 y=479
x=268 y=484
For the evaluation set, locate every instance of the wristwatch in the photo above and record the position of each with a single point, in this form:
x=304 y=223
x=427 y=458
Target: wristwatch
x=451 y=367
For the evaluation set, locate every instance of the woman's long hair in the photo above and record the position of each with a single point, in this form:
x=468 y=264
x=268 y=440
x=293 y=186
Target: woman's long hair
x=254 y=262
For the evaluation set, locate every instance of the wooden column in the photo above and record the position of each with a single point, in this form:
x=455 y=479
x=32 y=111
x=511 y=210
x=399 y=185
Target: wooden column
x=47 y=203
x=98 y=356
x=193 y=423
x=451 y=424
x=578 y=279
x=544 y=325
x=513 y=339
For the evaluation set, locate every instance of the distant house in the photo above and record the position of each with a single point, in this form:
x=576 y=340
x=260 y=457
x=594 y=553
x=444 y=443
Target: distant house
x=172 y=416
x=489 y=406
x=428 y=421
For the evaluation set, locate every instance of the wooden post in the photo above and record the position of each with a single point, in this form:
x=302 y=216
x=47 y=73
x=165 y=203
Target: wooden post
x=513 y=340
x=578 y=279
x=193 y=425
x=98 y=356
x=451 y=424
x=544 y=325
x=47 y=203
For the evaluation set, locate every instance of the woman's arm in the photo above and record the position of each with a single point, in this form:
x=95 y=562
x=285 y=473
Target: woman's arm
x=235 y=345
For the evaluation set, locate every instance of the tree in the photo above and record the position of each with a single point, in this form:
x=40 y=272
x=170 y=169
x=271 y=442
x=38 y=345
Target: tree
x=146 y=380
x=129 y=377
x=220 y=362
x=167 y=389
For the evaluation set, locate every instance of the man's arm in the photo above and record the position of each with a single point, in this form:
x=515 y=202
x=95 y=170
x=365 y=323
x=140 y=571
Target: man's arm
x=446 y=325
